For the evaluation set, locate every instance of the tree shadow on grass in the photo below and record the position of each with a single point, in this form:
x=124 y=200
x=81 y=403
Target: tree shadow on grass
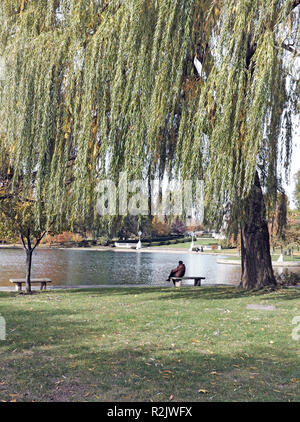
x=170 y=293
x=203 y=293
x=42 y=347
x=185 y=292
x=207 y=293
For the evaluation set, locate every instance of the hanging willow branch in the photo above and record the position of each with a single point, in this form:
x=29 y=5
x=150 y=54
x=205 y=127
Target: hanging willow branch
x=96 y=87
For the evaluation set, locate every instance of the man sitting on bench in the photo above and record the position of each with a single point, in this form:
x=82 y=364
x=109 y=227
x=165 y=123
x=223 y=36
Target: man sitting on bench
x=177 y=272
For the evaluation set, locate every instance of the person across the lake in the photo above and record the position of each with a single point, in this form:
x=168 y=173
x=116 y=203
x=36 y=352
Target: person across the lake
x=177 y=272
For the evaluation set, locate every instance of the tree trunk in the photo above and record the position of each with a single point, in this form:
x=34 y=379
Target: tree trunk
x=28 y=272
x=257 y=271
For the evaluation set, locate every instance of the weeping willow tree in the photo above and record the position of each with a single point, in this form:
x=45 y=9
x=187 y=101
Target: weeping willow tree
x=96 y=87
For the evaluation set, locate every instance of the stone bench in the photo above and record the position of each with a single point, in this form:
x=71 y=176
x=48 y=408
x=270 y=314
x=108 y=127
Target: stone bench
x=197 y=280
x=19 y=281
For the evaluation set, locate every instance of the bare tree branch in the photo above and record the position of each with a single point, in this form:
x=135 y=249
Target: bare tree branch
x=295 y=4
x=39 y=240
x=290 y=48
x=23 y=241
x=9 y=196
x=28 y=239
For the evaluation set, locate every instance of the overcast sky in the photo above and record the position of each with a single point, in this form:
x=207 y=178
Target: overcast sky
x=295 y=166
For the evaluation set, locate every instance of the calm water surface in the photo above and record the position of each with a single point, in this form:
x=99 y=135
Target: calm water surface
x=74 y=267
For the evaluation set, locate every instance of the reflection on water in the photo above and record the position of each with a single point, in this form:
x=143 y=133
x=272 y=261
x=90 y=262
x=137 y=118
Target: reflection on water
x=73 y=267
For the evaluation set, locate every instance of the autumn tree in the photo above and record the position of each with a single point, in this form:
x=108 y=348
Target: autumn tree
x=18 y=212
x=178 y=226
x=297 y=190
x=195 y=90
x=160 y=228
x=18 y=216
x=7 y=234
x=279 y=221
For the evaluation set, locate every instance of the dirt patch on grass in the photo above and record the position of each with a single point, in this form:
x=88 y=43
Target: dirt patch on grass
x=70 y=390
x=66 y=391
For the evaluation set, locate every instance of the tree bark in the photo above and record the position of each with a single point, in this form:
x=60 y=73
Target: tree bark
x=29 y=252
x=257 y=270
x=28 y=270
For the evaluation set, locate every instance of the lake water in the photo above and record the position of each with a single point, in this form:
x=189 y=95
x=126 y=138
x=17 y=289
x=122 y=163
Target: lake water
x=87 y=267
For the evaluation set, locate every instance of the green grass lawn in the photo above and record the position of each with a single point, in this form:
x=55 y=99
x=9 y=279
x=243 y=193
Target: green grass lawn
x=146 y=344
x=199 y=243
x=186 y=245
x=286 y=258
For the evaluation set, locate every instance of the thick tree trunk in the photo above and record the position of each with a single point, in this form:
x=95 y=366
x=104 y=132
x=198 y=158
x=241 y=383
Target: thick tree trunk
x=29 y=252
x=28 y=272
x=257 y=271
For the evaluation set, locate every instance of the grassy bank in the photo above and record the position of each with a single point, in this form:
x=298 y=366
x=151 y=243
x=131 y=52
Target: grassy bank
x=199 y=243
x=186 y=245
x=197 y=344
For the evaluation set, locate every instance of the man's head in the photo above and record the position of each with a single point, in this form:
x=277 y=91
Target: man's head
x=180 y=262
